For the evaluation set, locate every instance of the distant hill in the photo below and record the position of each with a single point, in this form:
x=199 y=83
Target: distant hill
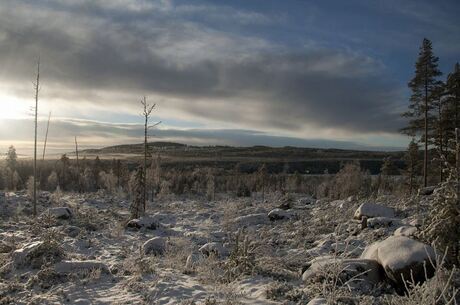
x=134 y=148
x=311 y=160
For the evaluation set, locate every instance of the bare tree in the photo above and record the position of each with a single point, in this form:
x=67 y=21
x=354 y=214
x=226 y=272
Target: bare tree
x=147 y=111
x=46 y=136
x=37 y=89
x=78 y=165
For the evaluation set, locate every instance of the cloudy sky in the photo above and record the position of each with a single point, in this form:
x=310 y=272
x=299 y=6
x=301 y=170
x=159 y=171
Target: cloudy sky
x=243 y=72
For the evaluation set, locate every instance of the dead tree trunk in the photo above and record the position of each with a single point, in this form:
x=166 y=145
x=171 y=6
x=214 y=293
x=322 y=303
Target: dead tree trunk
x=37 y=89
x=147 y=111
x=78 y=166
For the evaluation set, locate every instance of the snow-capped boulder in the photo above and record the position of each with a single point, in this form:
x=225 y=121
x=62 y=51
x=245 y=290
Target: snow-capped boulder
x=383 y=222
x=72 y=231
x=278 y=214
x=156 y=246
x=60 y=212
x=371 y=210
x=68 y=267
x=365 y=272
x=35 y=254
x=143 y=222
x=317 y=301
x=425 y=191
x=402 y=257
x=405 y=231
x=305 y=201
x=251 y=220
x=213 y=248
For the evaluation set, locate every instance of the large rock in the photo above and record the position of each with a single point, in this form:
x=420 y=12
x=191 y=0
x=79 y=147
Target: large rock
x=156 y=246
x=364 y=272
x=373 y=210
x=279 y=214
x=407 y=231
x=425 y=191
x=68 y=267
x=251 y=220
x=400 y=257
x=318 y=301
x=143 y=222
x=35 y=255
x=60 y=212
x=383 y=222
x=213 y=248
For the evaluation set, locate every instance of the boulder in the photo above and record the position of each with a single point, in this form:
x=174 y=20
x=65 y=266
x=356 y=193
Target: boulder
x=405 y=231
x=383 y=222
x=305 y=201
x=143 y=222
x=72 y=231
x=213 y=248
x=425 y=191
x=318 y=301
x=363 y=269
x=402 y=257
x=278 y=214
x=60 y=212
x=156 y=246
x=35 y=255
x=251 y=220
x=68 y=267
x=371 y=210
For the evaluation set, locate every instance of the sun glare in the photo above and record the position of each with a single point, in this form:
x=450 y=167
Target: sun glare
x=13 y=108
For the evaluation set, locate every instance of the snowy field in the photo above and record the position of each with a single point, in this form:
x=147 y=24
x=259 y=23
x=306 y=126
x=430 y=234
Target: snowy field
x=283 y=250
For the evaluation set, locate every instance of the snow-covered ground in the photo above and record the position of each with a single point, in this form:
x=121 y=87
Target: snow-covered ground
x=193 y=251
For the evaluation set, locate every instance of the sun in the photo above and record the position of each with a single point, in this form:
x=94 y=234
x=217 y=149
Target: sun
x=13 y=107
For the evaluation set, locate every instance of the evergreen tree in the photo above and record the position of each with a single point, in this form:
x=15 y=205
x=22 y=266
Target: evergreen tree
x=423 y=86
x=452 y=105
x=11 y=158
x=412 y=160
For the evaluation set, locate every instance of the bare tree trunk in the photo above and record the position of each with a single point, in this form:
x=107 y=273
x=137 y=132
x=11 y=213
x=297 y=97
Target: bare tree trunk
x=78 y=166
x=425 y=156
x=37 y=89
x=44 y=146
x=440 y=141
x=146 y=114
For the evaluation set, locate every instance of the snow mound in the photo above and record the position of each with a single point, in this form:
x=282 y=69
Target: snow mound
x=373 y=210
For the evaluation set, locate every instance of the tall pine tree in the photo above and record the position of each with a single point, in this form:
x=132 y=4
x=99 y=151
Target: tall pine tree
x=423 y=86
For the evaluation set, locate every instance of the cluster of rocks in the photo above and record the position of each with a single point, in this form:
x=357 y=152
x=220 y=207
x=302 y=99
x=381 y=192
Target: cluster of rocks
x=396 y=259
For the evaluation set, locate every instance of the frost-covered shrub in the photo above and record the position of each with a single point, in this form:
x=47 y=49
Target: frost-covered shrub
x=52 y=181
x=442 y=226
x=350 y=180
